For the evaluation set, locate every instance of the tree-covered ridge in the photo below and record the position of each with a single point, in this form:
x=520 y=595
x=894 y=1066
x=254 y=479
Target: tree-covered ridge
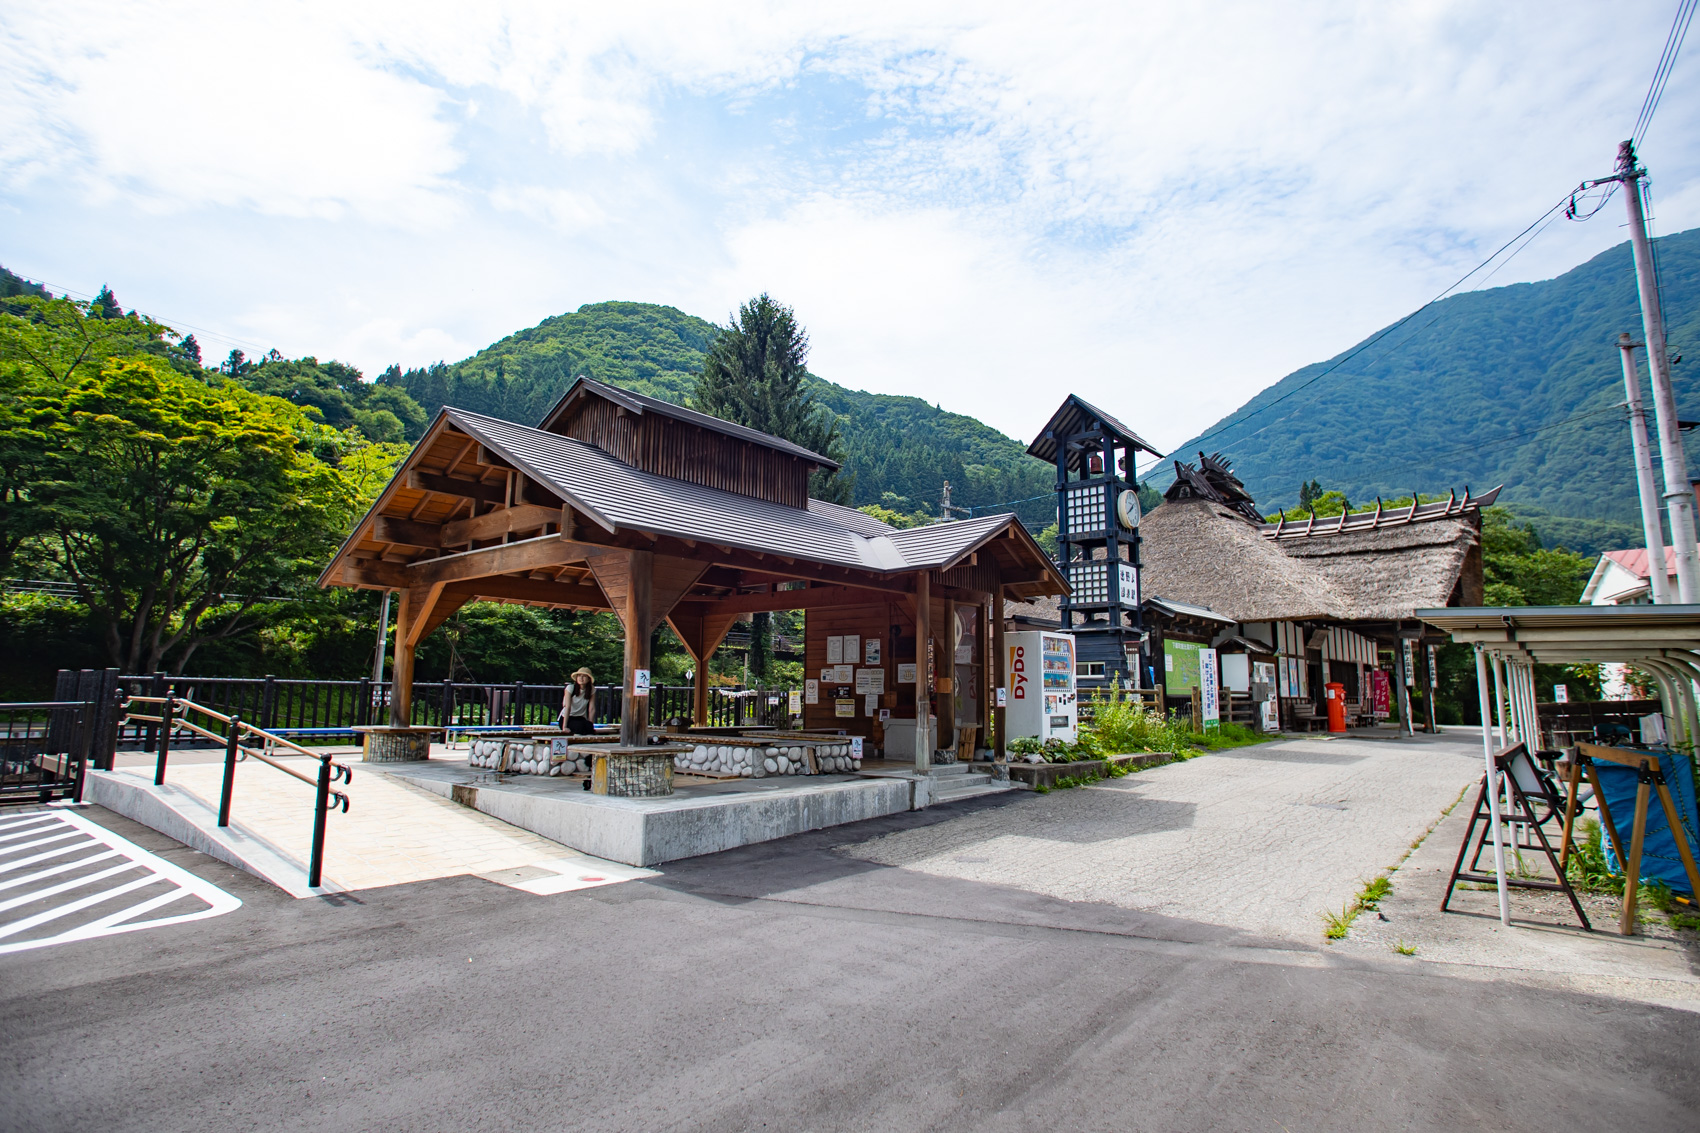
x=1517 y=385
x=900 y=450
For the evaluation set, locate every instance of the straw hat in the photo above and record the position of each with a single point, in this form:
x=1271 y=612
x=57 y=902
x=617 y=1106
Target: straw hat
x=583 y=672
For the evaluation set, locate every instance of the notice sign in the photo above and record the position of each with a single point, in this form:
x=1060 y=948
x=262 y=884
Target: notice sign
x=1410 y=665
x=906 y=674
x=834 y=650
x=1003 y=698
x=844 y=707
x=811 y=692
x=640 y=682
x=870 y=705
x=1128 y=588
x=852 y=649
x=856 y=747
x=1209 y=688
x=871 y=651
x=870 y=680
x=796 y=705
x=1382 y=689
x=1561 y=694
x=843 y=674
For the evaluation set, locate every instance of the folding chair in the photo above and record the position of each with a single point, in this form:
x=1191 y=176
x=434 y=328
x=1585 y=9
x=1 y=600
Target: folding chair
x=1523 y=782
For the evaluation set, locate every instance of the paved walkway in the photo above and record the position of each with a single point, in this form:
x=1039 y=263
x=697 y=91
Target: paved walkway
x=1545 y=945
x=393 y=833
x=1261 y=839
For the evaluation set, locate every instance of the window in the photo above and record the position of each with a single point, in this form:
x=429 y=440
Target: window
x=1089 y=669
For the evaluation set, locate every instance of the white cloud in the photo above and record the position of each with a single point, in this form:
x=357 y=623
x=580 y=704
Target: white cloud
x=1164 y=207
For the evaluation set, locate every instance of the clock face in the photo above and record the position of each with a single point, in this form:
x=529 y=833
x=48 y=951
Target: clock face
x=1127 y=508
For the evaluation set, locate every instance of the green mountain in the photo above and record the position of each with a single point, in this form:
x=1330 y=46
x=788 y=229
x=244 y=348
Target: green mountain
x=1517 y=385
x=900 y=449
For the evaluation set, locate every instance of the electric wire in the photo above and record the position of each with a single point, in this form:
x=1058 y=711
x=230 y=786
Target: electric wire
x=1376 y=338
x=1661 y=74
x=174 y=324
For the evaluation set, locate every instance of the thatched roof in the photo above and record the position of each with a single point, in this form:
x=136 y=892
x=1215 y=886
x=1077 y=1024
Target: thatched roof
x=1196 y=550
x=1391 y=572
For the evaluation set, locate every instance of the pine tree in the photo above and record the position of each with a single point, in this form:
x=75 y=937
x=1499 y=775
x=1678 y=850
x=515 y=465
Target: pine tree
x=756 y=374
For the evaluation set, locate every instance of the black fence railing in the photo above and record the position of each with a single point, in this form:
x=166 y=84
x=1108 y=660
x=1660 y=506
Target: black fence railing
x=304 y=708
x=44 y=749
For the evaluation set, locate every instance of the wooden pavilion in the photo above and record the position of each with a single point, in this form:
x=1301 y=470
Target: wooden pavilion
x=621 y=502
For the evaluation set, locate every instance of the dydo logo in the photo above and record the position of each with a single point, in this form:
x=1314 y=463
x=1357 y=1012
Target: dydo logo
x=1018 y=672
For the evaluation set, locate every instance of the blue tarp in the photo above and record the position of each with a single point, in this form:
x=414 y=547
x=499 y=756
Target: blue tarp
x=1659 y=859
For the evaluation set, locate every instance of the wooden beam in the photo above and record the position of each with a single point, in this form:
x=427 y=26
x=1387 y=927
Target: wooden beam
x=401 y=679
x=509 y=558
x=634 y=709
x=504 y=587
x=373 y=573
x=495 y=524
x=466 y=489
x=814 y=598
x=669 y=579
x=923 y=631
x=1000 y=678
x=407 y=532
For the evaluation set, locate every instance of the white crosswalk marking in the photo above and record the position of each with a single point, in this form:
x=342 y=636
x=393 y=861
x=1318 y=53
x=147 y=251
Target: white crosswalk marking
x=91 y=883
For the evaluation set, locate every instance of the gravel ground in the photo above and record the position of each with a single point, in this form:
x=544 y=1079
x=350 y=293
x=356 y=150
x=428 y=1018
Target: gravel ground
x=1261 y=839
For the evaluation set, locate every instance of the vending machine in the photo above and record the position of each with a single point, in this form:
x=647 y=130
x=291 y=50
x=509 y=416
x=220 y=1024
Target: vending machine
x=1041 y=693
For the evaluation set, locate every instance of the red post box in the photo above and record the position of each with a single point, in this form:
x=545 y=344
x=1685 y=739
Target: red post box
x=1336 y=707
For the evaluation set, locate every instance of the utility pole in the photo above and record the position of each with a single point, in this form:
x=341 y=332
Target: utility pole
x=1679 y=494
x=1650 y=523
x=383 y=637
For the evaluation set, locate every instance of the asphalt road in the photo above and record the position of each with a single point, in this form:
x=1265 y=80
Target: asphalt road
x=786 y=986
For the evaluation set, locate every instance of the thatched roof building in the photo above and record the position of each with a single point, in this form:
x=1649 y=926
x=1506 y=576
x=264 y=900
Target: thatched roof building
x=1209 y=546
x=1331 y=599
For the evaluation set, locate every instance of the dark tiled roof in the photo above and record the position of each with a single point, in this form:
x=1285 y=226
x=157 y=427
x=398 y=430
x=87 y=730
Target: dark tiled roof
x=1070 y=417
x=640 y=403
x=617 y=495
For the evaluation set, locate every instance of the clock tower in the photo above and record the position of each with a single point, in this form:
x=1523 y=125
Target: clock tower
x=1098 y=518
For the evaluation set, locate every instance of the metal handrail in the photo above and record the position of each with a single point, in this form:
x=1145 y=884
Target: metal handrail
x=234 y=751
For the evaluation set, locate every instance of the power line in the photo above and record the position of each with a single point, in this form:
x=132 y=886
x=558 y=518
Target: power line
x=1661 y=73
x=174 y=324
x=1314 y=378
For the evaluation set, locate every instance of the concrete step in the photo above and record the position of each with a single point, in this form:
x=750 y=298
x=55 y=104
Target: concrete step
x=947 y=769
x=956 y=792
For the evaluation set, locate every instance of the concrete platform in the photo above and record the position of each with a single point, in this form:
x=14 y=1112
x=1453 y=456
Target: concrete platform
x=700 y=817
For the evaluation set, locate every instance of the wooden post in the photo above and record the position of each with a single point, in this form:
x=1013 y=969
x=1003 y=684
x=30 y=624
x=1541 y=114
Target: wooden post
x=946 y=655
x=401 y=671
x=699 y=704
x=1632 y=872
x=1000 y=678
x=923 y=632
x=634 y=710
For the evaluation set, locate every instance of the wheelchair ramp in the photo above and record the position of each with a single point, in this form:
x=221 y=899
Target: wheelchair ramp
x=393 y=833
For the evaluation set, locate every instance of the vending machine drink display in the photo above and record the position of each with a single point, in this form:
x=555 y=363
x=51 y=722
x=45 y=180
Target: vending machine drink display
x=1042 y=698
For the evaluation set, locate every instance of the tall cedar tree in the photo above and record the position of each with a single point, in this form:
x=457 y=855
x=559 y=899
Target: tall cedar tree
x=755 y=375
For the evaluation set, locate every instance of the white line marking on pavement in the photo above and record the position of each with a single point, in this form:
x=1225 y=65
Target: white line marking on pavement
x=93 y=844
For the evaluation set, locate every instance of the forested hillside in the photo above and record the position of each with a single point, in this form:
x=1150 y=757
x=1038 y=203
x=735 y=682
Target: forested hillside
x=900 y=449
x=1517 y=385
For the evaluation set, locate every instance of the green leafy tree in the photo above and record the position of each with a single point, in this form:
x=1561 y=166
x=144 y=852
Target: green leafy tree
x=337 y=393
x=179 y=508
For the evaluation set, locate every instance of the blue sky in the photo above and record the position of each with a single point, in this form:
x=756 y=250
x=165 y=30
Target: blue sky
x=1161 y=207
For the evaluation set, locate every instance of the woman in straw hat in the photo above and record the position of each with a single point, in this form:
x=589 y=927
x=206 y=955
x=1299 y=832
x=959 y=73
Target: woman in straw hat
x=578 y=703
